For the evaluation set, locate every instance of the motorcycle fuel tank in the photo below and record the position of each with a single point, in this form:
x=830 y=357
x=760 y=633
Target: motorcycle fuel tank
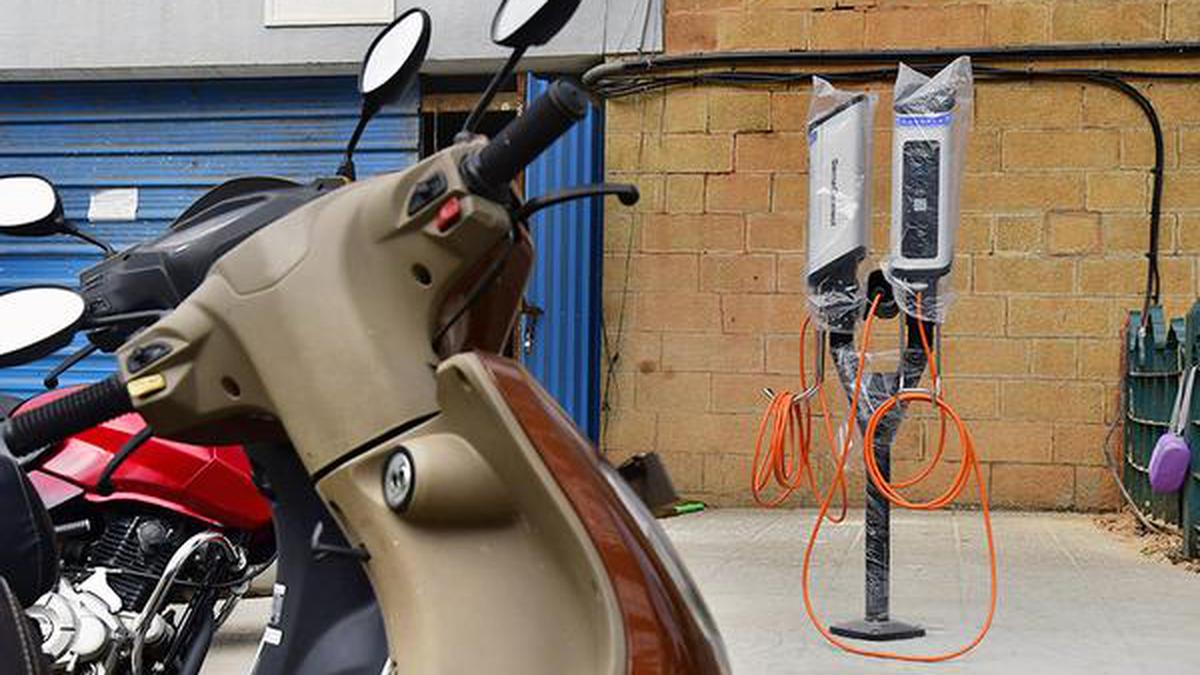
x=210 y=483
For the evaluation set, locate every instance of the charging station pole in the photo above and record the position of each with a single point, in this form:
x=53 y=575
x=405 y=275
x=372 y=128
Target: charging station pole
x=878 y=546
x=877 y=624
x=930 y=118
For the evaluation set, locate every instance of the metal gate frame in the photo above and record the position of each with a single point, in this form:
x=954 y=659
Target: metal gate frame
x=564 y=339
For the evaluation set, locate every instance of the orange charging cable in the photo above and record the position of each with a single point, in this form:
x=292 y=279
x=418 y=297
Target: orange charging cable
x=787 y=455
x=787 y=473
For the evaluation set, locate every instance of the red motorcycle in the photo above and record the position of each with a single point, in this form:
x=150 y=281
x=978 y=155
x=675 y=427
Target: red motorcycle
x=126 y=532
x=136 y=517
x=211 y=486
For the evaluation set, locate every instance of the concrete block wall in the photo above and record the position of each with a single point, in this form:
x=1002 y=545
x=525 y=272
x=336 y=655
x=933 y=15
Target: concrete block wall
x=705 y=276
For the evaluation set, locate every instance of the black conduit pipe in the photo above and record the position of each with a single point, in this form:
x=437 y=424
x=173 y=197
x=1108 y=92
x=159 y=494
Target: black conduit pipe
x=629 y=77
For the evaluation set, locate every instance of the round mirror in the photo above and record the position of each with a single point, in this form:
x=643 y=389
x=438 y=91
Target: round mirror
x=36 y=321
x=29 y=206
x=525 y=23
x=394 y=57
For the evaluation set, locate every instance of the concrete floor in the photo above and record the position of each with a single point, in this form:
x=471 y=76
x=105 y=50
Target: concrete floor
x=1073 y=598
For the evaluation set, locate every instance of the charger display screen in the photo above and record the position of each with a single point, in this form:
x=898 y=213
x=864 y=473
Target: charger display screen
x=922 y=167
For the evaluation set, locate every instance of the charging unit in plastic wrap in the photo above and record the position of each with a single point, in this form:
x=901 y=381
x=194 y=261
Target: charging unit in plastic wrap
x=839 y=213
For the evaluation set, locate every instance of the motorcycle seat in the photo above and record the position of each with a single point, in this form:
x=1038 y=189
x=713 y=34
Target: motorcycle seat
x=20 y=646
x=29 y=557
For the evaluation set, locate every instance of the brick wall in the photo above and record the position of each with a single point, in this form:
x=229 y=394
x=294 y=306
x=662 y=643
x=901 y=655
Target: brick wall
x=1050 y=248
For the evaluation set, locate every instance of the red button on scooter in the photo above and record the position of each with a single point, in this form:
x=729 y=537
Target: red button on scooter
x=448 y=214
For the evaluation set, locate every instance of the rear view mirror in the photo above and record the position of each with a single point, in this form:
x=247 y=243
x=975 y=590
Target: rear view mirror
x=519 y=25
x=37 y=321
x=394 y=57
x=527 y=23
x=390 y=65
x=29 y=207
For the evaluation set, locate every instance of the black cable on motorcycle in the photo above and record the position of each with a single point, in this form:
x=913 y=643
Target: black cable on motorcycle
x=477 y=292
x=104 y=484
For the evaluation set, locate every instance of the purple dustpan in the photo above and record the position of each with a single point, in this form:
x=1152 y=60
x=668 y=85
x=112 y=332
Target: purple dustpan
x=1169 y=464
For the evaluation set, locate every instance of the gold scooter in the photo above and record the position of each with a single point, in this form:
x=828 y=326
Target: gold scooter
x=353 y=345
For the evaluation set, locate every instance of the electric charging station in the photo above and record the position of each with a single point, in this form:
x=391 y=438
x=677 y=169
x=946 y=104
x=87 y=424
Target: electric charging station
x=931 y=118
x=924 y=222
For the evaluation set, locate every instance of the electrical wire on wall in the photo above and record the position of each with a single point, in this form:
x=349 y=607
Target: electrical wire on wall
x=627 y=78
x=611 y=347
x=632 y=77
x=650 y=18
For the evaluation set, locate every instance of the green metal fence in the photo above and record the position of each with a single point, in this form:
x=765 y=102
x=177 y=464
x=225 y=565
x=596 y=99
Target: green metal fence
x=1158 y=353
x=1156 y=359
x=1191 y=488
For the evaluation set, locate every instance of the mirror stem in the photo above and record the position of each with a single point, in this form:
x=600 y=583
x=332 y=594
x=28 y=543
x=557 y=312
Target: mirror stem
x=51 y=379
x=485 y=99
x=346 y=170
x=81 y=235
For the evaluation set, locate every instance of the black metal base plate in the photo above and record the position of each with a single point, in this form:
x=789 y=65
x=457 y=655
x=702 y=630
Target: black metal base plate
x=877 y=631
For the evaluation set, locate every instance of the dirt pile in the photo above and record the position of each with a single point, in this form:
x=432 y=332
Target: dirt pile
x=1162 y=545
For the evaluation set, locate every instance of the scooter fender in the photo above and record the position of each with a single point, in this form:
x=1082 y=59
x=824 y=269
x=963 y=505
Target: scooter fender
x=486 y=553
x=508 y=541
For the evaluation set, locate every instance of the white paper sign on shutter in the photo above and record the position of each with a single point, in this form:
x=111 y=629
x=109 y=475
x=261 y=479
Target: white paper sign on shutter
x=326 y=13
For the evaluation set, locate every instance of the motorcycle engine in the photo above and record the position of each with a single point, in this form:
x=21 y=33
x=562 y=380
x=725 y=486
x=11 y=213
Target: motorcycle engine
x=108 y=578
x=139 y=545
x=79 y=623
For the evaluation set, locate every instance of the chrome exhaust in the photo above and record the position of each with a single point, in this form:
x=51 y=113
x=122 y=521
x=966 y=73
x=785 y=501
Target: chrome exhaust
x=159 y=597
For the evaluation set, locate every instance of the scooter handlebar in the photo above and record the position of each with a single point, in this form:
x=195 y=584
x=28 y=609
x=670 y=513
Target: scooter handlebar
x=78 y=411
x=549 y=116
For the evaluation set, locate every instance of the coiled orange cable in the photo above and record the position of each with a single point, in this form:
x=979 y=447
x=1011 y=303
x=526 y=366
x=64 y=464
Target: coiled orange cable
x=889 y=489
x=787 y=456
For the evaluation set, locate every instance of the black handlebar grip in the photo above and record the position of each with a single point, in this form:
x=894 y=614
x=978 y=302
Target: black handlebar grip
x=549 y=116
x=80 y=410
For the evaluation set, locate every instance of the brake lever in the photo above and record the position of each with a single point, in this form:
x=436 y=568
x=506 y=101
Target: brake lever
x=626 y=192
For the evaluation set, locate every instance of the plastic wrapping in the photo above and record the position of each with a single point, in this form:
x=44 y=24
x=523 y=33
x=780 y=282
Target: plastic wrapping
x=932 y=117
x=839 y=203
x=885 y=374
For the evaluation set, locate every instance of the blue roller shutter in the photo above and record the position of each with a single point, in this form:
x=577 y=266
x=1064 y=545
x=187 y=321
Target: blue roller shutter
x=172 y=141
x=565 y=353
